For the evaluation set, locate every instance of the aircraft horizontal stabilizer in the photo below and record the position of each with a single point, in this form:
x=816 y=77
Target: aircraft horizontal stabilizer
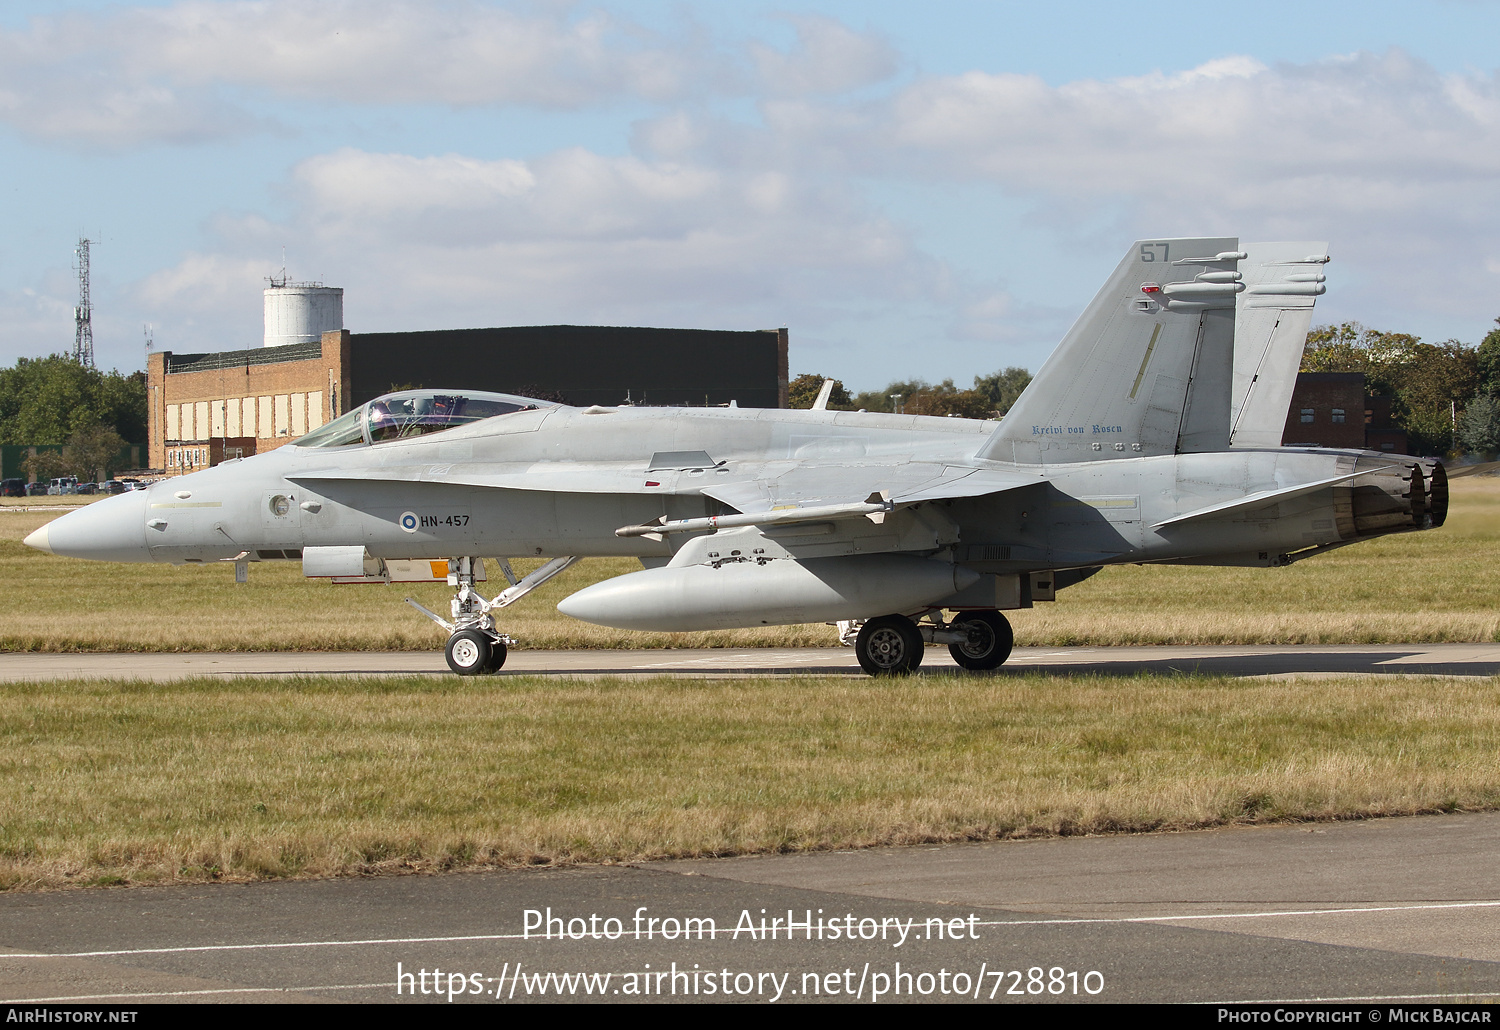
x=1264 y=497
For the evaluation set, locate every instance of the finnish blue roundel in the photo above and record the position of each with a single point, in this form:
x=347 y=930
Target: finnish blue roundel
x=409 y=521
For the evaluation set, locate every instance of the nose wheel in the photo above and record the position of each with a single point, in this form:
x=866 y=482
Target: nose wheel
x=473 y=652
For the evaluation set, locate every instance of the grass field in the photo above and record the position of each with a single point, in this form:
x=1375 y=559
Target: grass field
x=1441 y=585
x=106 y=783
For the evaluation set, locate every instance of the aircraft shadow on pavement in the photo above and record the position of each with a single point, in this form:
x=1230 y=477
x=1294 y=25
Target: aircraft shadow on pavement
x=1271 y=664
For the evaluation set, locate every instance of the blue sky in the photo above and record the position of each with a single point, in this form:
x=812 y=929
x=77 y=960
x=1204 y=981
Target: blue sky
x=927 y=190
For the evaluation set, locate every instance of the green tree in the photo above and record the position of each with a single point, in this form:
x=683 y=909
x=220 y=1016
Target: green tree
x=1433 y=383
x=1003 y=388
x=46 y=400
x=89 y=454
x=1479 y=427
x=803 y=391
x=1351 y=347
x=1425 y=381
x=992 y=395
x=93 y=450
x=45 y=465
x=892 y=398
x=1488 y=360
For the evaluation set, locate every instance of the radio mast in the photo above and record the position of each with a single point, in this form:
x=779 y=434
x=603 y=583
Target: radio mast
x=83 y=336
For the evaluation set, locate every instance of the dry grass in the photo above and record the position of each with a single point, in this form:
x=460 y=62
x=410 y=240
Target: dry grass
x=61 y=604
x=1436 y=586
x=115 y=782
x=45 y=501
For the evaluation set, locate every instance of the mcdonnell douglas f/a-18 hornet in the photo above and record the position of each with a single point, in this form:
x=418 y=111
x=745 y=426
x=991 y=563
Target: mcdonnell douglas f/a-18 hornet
x=1152 y=434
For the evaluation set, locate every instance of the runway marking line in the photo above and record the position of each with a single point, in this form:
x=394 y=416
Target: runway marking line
x=1246 y=915
x=716 y=932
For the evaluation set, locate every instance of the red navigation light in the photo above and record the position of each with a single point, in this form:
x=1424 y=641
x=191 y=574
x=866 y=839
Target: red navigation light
x=1150 y=288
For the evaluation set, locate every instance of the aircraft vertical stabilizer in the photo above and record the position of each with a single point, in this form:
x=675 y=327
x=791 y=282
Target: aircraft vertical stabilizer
x=1271 y=320
x=1145 y=370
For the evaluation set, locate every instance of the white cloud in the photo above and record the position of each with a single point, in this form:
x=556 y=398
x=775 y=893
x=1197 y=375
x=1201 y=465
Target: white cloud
x=571 y=237
x=722 y=222
x=195 y=70
x=41 y=315
x=1204 y=135
x=159 y=73
x=829 y=57
x=1394 y=163
x=455 y=52
x=205 y=283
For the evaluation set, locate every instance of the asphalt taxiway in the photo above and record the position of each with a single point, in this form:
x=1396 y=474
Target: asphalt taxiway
x=1390 y=910
x=1398 y=910
x=1225 y=660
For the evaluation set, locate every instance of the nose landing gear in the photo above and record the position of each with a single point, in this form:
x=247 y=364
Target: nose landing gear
x=474 y=646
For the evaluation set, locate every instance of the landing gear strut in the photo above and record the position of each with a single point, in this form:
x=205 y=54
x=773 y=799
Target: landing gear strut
x=475 y=647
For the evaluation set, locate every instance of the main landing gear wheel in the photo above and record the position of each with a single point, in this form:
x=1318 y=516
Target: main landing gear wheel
x=990 y=640
x=471 y=652
x=889 y=646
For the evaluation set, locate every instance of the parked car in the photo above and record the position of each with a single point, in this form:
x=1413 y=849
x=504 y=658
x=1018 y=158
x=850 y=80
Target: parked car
x=87 y=488
x=62 y=486
x=13 y=488
x=133 y=484
x=37 y=489
x=113 y=486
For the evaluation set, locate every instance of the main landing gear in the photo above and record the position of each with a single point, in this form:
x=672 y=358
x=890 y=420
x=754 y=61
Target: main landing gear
x=892 y=645
x=987 y=640
x=474 y=646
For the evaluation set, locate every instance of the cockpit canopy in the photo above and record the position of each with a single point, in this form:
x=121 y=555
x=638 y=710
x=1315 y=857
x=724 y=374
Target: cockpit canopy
x=411 y=413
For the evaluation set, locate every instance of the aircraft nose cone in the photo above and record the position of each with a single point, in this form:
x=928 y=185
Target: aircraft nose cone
x=113 y=529
x=38 y=538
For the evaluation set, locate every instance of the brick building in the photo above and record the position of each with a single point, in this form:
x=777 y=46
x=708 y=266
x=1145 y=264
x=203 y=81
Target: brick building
x=1332 y=409
x=206 y=408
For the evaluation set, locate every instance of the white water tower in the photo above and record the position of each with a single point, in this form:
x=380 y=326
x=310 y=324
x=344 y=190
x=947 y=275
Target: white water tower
x=301 y=312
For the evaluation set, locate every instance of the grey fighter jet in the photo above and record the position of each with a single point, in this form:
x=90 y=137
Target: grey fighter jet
x=1148 y=436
